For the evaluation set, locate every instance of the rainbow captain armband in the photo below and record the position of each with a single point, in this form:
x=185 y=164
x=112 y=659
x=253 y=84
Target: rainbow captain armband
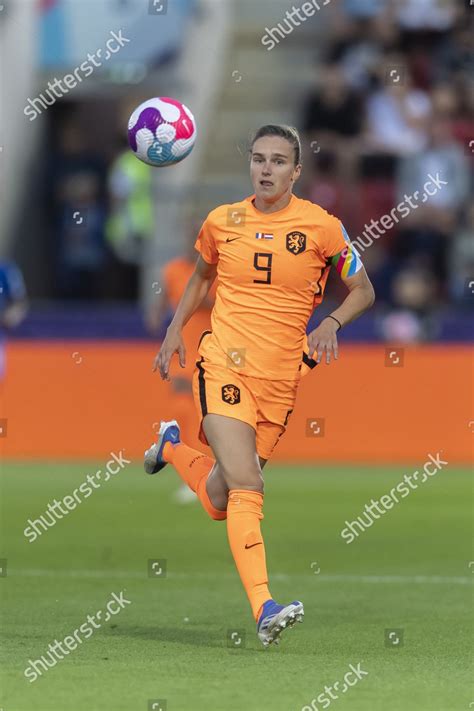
x=347 y=262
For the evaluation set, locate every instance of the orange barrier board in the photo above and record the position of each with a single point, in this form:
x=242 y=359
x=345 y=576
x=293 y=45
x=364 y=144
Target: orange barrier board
x=86 y=400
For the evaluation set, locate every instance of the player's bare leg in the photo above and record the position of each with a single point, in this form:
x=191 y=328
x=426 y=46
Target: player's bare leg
x=234 y=445
x=216 y=488
x=196 y=470
x=216 y=485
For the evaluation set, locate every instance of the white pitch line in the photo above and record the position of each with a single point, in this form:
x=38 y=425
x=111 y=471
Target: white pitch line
x=416 y=579
x=323 y=578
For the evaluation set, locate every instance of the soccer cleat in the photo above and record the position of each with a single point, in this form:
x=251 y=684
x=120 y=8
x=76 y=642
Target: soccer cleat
x=169 y=432
x=276 y=618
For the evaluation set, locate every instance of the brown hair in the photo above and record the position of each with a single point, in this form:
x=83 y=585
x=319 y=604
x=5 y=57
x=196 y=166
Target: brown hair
x=287 y=132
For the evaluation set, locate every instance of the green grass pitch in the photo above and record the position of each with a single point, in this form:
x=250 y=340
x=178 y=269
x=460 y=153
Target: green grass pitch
x=178 y=639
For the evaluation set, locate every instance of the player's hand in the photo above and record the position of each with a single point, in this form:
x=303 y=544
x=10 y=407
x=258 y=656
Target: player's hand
x=324 y=339
x=172 y=344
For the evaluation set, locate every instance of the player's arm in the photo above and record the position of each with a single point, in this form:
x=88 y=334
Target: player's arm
x=361 y=296
x=195 y=292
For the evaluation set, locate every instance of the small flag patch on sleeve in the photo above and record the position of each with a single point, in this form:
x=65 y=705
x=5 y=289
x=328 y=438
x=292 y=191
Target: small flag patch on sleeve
x=263 y=235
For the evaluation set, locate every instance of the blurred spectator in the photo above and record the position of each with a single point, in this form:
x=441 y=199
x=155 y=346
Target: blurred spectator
x=402 y=327
x=333 y=110
x=13 y=303
x=131 y=220
x=363 y=9
x=81 y=254
x=79 y=216
x=414 y=297
x=444 y=158
x=463 y=121
x=325 y=187
x=359 y=47
x=417 y=15
x=445 y=101
x=461 y=263
x=392 y=110
x=327 y=184
x=426 y=232
x=455 y=102
x=74 y=156
x=425 y=27
x=332 y=118
x=455 y=58
x=424 y=246
x=397 y=114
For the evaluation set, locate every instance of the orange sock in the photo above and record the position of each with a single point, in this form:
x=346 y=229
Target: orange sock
x=244 y=513
x=193 y=467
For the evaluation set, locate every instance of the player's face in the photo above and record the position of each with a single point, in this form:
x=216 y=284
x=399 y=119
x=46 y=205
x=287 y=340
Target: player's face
x=272 y=168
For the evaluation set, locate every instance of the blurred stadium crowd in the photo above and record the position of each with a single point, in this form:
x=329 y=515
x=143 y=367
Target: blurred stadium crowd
x=392 y=105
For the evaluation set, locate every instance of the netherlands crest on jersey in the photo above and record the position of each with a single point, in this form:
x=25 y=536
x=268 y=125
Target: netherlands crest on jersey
x=296 y=242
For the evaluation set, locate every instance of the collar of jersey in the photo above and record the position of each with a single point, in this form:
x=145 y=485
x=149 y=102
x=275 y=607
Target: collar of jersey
x=270 y=215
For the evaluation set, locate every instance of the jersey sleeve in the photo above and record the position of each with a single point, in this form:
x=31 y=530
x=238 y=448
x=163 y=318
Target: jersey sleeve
x=339 y=251
x=205 y=243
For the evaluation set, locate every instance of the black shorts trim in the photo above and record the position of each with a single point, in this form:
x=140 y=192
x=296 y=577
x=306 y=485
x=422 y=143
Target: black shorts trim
x=204 y=333
x=310 y=362
x=202 y=386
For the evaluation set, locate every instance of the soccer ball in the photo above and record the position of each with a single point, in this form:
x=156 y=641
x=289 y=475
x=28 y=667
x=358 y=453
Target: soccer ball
x=162 y=131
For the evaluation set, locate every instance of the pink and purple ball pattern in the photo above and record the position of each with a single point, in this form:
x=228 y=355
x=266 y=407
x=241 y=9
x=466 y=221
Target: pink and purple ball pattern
x=161 y=131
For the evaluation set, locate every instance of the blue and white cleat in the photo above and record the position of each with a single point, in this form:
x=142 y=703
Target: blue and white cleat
x=169 y=432
x=276 y=618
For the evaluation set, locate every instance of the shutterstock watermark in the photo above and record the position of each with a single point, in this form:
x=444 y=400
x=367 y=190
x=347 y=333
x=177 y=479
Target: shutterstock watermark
x=410 y=202
x=327 y=696
x=60 y=87
x=386 y=502
x=47 y=661
x=93 y=481
x=286 y=27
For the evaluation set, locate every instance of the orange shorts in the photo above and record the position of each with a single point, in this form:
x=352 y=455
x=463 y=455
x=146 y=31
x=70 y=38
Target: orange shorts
x=265 y=405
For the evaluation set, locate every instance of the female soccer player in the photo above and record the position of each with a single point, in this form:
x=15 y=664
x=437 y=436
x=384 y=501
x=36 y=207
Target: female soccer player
x=271 y=254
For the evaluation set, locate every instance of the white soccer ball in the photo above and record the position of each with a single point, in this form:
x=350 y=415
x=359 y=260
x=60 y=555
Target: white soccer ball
x=162 y=131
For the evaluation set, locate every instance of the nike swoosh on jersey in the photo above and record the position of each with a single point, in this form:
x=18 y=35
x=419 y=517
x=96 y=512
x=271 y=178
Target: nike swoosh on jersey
x=232 y=239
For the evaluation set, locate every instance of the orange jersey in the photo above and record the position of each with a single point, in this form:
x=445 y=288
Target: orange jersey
x=271 y=270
